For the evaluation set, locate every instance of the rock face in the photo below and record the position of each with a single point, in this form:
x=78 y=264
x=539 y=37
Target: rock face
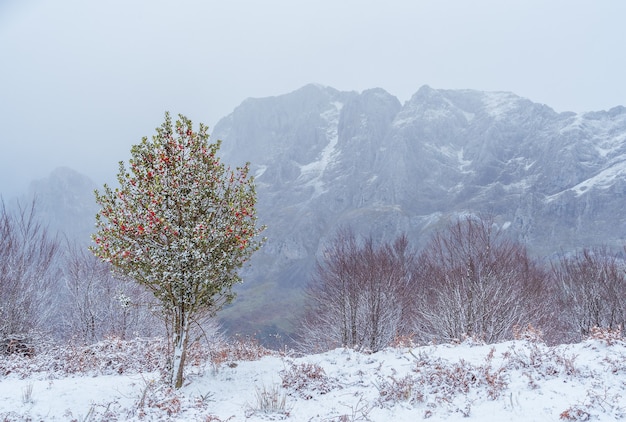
x=325 y=159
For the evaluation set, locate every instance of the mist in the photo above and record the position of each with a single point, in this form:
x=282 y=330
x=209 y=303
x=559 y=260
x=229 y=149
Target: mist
x=81 y=82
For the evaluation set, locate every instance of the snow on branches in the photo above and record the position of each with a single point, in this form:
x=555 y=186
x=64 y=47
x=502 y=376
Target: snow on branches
x=180 y=223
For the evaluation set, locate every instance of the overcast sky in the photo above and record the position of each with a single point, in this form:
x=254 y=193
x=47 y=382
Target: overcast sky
x=82 y=81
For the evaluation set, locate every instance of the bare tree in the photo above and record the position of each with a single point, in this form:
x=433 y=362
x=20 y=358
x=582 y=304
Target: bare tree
x=99 y=304
x=593 y=290
x=476 y=282
x=360 y=295
x=28 y=271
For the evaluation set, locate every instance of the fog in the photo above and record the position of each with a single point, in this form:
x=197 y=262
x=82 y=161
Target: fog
x=80 y=82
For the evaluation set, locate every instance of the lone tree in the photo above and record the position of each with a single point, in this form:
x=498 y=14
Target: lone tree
x=181 y=224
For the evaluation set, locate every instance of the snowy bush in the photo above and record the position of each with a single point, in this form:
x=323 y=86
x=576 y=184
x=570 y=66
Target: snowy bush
x=307 y=379
x=110 y=356
x=438 y=381
x=609 y=336
x=239 y=349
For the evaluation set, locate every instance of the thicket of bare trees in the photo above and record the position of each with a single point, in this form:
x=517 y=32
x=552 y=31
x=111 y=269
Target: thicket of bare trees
x=469 y=280
x=361 y=295
x=474 y=281
x=98 y=304
x=592 y=284
x=62 y=292
x=28 y=272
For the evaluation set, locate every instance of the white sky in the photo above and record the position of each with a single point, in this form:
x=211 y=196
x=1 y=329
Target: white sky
x=82 y=81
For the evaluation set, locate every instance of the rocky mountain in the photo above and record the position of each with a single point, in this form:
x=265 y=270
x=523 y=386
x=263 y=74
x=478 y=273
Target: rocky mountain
x=325 y=159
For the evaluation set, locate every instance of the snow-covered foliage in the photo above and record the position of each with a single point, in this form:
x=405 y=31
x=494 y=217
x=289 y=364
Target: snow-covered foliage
x=518 y=380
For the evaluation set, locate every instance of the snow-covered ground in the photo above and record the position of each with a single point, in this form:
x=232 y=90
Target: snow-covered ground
x=519 y=380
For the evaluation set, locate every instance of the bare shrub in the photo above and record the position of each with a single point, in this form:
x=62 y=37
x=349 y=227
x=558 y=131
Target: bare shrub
x=477 y=283
x=28 y=272
x=307 y=379
x=99 y=304
x=241 y=348
x=360 y=296
x=17 y=345
x=435 y=382
x=575 y=413
x=607 y=335
x=592 y=286
x=541 y=361
x=528 y=333
x=404 y=341
x=403 y=389
x=247 y=348
x=438 y=381
x=111 y=356
x=358 y=412
x=597 y=402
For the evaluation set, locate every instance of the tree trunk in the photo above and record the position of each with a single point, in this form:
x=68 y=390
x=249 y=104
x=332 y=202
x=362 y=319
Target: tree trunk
x=181 y=340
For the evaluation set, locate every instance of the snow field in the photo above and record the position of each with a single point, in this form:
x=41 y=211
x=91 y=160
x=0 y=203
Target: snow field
x=519 y=380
